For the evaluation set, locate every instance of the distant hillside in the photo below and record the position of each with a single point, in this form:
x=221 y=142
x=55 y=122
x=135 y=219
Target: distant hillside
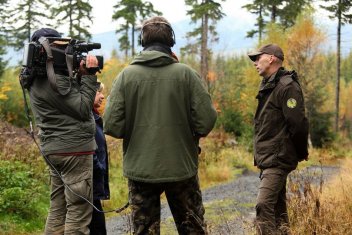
x=232 y=39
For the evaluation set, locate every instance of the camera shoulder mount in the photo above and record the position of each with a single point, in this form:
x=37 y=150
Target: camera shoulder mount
x=50 y=65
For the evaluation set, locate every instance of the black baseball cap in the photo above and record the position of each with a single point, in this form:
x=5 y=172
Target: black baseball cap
x=45 y=32
x=270 y=49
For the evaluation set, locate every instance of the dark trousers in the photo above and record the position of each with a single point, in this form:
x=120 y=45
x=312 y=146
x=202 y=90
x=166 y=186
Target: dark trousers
x=184 y=199
x=271 y=210
x=97 y=225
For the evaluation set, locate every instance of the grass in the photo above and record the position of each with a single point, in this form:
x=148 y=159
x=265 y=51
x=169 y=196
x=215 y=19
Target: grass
x=218 y=163
x=318 y=210
x=323 y=208
x=221 y=161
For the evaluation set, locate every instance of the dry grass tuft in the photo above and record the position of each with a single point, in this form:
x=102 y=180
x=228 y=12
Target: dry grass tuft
x=221 y=159
x=319 y=208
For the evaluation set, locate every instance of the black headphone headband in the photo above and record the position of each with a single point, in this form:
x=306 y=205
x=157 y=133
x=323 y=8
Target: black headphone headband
x=157 y=22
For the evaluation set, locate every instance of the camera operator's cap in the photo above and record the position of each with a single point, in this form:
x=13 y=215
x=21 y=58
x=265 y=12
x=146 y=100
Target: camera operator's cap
x=45 y=32
x=270 y=49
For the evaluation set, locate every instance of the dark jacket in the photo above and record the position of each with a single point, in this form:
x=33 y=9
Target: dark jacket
x=160 y=108
x=101 y=188
x=281 y=127
x=65 y=122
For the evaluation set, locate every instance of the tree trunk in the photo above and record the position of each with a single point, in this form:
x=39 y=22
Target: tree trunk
x=338 y=66
x=132 y=39
x=29 y=23
x=273 y=13
x=126 y=49
x=71 y=21
x=260 y=23
x=204 y=49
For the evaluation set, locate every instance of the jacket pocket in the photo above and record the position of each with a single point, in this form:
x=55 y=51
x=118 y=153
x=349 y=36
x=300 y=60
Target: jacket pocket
x=266 y=154
x=287 y=157
x=87 y=127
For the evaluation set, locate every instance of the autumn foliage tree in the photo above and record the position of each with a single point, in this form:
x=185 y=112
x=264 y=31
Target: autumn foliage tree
x=340 y=10
x=282 y=12
x=304 y=55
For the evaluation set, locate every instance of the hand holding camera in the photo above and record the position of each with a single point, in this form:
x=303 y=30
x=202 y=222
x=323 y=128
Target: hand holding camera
x=89 y=66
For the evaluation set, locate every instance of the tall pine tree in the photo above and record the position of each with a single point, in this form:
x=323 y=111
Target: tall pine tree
x=283 y=12
x=3 y=62
x=257 y=8
x=77 y=15
x=27 y=16
x=208 y=13
x=131 y=11
x=3 y=44
x=340 y=11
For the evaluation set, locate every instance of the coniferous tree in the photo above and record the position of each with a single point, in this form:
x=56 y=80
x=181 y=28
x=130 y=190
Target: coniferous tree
x=290 y=10
x=27 y=16
x=3 y=63
x=131 y=11
x=257 y=8
x=75 y=13
x=283 y=12
x=3 y=44
x=208 y=12
x=340 y=10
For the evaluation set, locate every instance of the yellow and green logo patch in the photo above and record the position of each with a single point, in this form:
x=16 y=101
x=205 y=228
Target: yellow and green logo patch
x=291 y=103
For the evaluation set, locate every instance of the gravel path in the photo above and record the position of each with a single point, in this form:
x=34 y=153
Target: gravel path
x=230 y=207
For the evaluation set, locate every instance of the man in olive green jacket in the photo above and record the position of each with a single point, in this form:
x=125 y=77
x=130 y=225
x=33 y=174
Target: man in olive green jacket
x=66 y=132
x=280 y=137
x=160 y=108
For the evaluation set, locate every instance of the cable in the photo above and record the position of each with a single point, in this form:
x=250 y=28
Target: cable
x=118 y=210
x=31 y=133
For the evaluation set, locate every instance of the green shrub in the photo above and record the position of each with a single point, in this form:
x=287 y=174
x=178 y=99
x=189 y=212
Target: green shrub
x=231 y=121
x=11 y=99
x=22 y=194
x=320 y=127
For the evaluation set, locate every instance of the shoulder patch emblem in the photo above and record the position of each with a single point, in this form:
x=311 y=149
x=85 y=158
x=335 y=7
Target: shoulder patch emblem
x=291 y=103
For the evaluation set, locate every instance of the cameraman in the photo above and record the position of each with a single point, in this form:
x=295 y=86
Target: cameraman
x=66 y=132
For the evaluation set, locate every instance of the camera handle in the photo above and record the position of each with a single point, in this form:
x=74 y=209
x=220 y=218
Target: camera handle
x=50 y=66
x=31 y=133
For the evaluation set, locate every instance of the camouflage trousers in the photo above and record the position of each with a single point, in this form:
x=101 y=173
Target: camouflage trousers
x=184 y=199
x=271 y=210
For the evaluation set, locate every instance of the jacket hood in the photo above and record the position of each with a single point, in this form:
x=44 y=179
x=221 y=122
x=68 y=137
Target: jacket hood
x=153 y=59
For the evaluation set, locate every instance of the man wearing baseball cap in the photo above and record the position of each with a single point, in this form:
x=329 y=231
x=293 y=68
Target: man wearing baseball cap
x=280 y=136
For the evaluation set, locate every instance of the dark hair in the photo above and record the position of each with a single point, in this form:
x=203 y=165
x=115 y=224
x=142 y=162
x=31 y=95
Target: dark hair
x=157 y=29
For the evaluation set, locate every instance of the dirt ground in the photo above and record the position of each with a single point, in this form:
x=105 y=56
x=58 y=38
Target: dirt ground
x=230 y=207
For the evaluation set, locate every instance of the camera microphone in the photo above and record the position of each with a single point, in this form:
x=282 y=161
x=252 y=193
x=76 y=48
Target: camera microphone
x=87 y=46
x=94 y=45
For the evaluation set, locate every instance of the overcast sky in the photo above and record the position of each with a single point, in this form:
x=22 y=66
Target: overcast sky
x=173 y=10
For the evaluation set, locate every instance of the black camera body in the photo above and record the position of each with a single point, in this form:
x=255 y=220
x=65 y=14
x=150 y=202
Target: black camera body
x=35 y=56
x=65 y=54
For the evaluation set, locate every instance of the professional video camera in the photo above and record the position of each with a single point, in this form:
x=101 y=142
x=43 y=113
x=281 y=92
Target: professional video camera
x=54 y=55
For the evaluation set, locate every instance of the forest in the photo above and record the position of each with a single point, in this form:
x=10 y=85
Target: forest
x=325 y=77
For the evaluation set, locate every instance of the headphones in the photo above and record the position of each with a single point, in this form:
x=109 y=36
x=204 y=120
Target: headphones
x=140 y=40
